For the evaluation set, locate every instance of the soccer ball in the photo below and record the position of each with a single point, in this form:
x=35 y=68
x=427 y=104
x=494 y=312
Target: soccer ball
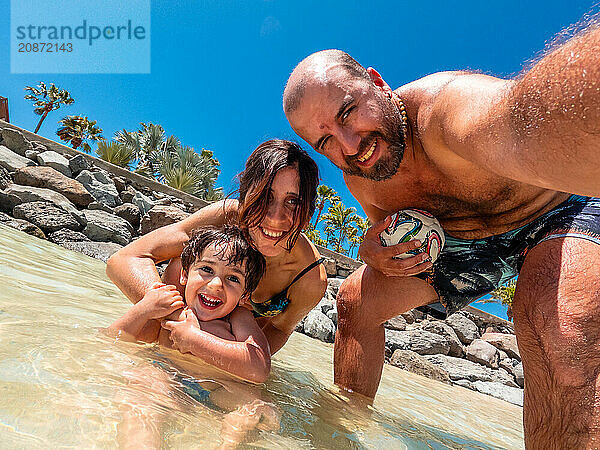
x=411 y=224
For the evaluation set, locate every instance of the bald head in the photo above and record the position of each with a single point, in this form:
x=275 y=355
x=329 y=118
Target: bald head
x=314 y=68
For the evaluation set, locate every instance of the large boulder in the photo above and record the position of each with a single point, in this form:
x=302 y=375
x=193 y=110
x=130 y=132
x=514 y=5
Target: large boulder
x=509 y=394
x=79 y=163
x=130 y=213
x=47 y=177
x=22 y=225
x=98 y=250
x=56 y=161
x=319 y=326
x=100 y=186
x=45 y=215
x=459 y=369
x=106 y=227
x=14 y=140
x=482 y=352
x=159 y=216
x=445 y=330
x=506 y=342
x=465 y=329
x=25 y=194
x=66 y=235
x=419 y=341
x=413 y=362
x=143 y=202
x=12 y=161
x=5 y=179
x=396 y=323
x=518 y=373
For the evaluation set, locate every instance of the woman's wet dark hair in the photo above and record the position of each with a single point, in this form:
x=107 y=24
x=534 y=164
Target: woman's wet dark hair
x=235 y=249
x=256 y=181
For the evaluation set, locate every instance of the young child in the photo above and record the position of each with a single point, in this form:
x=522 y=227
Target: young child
x=219 y=269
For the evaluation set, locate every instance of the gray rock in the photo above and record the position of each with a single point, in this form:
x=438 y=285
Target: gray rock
x=22 y=225
x=5 y=179
x=333 y=315
x=330 y=267
x=319 y=326
x=418 y=315
x=66 y=235
x=144 y=203
x=327 y=303
x=343 y=272
x=101 y=207
x=419 y=341
x=408 y=317
x=11 y=161
x=120 y=183
x=78 y=163
x=49 y=178
x=159 y=216
x=130 y=213
x=465 y=329
x=396 y=323
x=56 y=161
x=482 y=352
x=34 y=194
x=445 y=330
x=32 y=155
x=509 y=394
x=14 y=140
x=333 y=285
x=518 y=373
x=506 y=342
x=413 y=362
x=459 y=369
x=507 y=365
x=38 y=147
x=128 y=194
x=100 y=186
x=465 y=383
x=106 y=227
x=45 y=215
x=98 y=250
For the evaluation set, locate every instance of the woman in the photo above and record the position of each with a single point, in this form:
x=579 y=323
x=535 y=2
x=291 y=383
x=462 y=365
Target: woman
x=277 y=198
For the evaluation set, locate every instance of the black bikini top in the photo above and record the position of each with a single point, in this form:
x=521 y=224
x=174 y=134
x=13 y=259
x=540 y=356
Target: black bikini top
x=277 y=303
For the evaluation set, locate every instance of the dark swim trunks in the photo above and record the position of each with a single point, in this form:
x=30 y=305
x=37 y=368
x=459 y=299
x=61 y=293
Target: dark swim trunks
x=469 y=269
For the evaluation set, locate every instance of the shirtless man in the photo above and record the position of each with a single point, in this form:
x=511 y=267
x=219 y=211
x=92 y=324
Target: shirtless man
x=496 y=161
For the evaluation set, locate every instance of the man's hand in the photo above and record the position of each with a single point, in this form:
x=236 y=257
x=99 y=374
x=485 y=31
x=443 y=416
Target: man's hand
x=382 y=259
x=160 y=301
x=180 y=330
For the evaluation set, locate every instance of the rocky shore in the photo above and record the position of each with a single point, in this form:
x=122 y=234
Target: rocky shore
x=88 y=205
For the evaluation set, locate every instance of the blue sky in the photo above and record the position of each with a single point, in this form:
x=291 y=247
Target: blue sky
x=218 y=68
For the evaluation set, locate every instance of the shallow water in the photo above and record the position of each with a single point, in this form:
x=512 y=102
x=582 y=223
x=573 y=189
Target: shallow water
x=59 y=377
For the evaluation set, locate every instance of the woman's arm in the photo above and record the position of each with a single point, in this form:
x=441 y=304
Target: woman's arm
x=133 y=268
x=248 y=357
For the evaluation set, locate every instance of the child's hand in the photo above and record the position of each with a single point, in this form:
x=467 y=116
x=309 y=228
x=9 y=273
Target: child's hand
x=161 y=300
x=180 y=330
x=255 y=415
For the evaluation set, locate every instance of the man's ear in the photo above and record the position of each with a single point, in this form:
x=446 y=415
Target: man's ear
x=379 y=82
x=183 y=277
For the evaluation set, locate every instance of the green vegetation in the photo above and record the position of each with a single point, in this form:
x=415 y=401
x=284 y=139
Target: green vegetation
x=78 y=130
x=116 y=153
x=46 y=99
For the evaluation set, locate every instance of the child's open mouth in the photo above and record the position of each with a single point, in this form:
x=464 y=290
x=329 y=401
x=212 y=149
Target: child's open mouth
x=209 y=302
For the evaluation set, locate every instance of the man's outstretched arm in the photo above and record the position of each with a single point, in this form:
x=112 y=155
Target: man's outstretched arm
x=542 y=128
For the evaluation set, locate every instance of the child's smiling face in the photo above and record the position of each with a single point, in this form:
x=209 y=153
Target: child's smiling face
x=213 y=286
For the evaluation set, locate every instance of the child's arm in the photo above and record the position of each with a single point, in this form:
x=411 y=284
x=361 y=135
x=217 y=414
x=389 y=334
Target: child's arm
x=248 y=357
x=158 y=302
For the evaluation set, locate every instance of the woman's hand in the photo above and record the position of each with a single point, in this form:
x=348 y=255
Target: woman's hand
x=180 y=330
x=382 y=258
x=160 y=301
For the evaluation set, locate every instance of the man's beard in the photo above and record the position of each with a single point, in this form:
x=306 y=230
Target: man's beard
x=392 y=133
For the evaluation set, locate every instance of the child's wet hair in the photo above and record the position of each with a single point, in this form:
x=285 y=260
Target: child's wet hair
x=232 y=247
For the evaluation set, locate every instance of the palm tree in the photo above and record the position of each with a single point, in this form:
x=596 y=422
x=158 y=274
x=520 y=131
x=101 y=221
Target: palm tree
x=47 y=99
x=116 y=153
x=78 y=130
x=149 y=144
x=340 y=218
x=324 y=194
x=190 y=172
x=354 y=238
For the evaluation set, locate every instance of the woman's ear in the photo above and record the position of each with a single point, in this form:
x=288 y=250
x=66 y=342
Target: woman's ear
x=183 y=277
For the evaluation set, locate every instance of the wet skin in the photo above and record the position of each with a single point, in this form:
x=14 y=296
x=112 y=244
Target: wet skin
x=482 y=166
